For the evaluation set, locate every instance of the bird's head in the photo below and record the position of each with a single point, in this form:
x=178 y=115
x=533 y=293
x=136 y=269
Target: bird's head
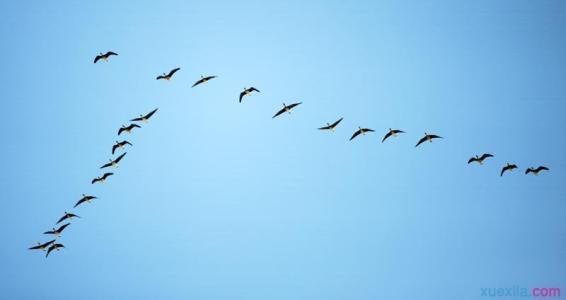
x=390 y=129
x=84 y=195
x=284 y=104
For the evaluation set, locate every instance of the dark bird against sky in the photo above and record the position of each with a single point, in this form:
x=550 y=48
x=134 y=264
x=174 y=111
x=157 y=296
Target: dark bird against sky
x=120 y=145
x=203 y=80
x=427 y=137
x=508 y=167
x=391 y=133
x=102 y=179
x=57 y=232
x=114 y=163
x=145 y=118
x=104 y=57
x=168 y=76
x=479 y=159
x=331 y=127
x=536 y=171
x=361 y=131
x=287 y=108
x=84 y=199
x=127 y=129
x=248 y=91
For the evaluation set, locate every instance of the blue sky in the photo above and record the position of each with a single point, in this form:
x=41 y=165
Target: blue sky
x=216 y=200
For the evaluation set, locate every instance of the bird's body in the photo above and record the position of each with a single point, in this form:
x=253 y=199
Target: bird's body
x=427 y=137
x=104 y=56
x=479 y=159
x=331 y=127
x=66 y=216
x=392 y=133
x=145 y=118
x=287 y=108
x=120 y=145
x=41 y=246
x=169 y=75
x=57 y=232
x=203 y=79
x=127 y=129
x=102 y=179
x=84 y=199
x=248 y=91
x=114 y=163
x=54 y=247
x=508 y=167
x=361 y=131
x=536 y=171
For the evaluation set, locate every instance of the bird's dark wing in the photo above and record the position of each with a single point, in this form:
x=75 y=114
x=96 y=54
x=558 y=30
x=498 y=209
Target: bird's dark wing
x=114 y=148
x=253 y=89
x=336 y=123
x=49 y=232
x=173 y=72
x=136 y=119
x=471 y=160
x=120 y=130
x=63 y=227
x=151 y=113
x=63 y=218
x=529 y=170
x=110 y=53
x=485 y=155
x=294 y=105
x=106 y=175
x=242 y=94
x=503 y=170
x=279 y=112
x=434 y=136
x=77 y=204
x=390 y=133
x=94 y=181
x=135 y=126
x=127 y=143
x=119 y=158
x=355 y=134
x=106 y=165
x=325 y=127
x=199 y=81
x=97 y=58
x=49 y=250
x=542 y=168
x=420 y=141
x=159 y=77
x=368 y=130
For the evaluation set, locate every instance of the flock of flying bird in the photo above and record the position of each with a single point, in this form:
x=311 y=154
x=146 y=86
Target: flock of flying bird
x=53 y=244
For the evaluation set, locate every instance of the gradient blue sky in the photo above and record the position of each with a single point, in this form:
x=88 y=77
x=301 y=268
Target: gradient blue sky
x=216 y=200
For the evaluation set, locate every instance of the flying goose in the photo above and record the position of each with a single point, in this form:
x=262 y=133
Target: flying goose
x=479 y=159
x=508 y=167
x=105 y=56
x=66 y=216
x=287 y=108
x=114 y=163
x=248 y=91
x=101 y=179
x=127 y=129
x=57 y=232
x=203 y=80
x=54 y=247
x=331 y=127
x=120 y=145
x=168 y=76
x=536 y=171
x=427 y=137
x=145 y=118
x=361 y=131
x=41 y=246
x=393 y=133
x=84 y=199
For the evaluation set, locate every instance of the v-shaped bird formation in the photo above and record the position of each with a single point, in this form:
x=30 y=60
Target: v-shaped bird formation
x=55 y=245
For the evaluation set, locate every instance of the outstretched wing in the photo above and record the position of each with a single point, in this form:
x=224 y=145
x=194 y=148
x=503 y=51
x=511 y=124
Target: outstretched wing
x=110 y=53
x=434 y=136
x=106 y=175
x=97 y=58
x=117 y=160
x=199 y=82
x=106 y=165
x=279 y=112
x=159 y=77
x=542 y=168
x=63 y=227
x=471 y=160
x=136 y=119
x=420 y=141
x=356 y=134
x=485 y=155
x=294 y=105
x=173 y=72
x=135 y=126
x=390 y=133
x=151 y=113
x=253 y=89
x=336 y=123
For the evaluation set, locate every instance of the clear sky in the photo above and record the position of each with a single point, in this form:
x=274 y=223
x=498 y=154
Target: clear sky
x=217 y=200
